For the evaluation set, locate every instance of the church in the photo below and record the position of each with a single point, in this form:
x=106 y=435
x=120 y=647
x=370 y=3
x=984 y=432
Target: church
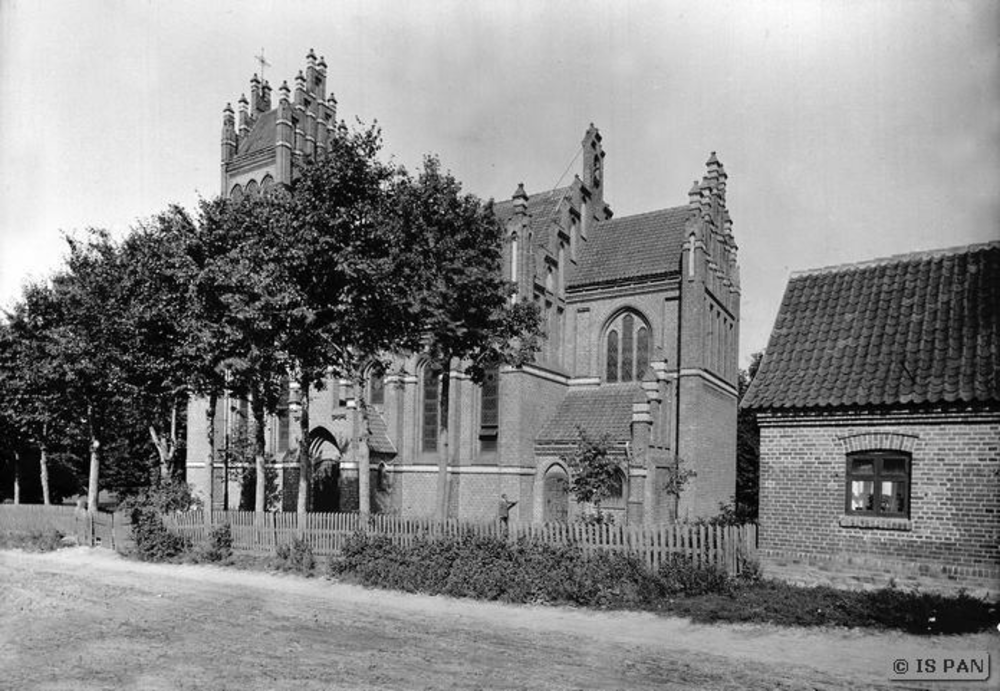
x=641 y=315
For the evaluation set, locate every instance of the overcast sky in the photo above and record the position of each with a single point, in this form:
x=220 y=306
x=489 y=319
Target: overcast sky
x=850 y=130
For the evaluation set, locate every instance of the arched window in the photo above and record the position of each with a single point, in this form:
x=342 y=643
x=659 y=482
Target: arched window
x=266 y=184
x=236 y=194
x=627 y=348
x=612 y=371
x=489 y=417
x=429 y=427
x=513 y=258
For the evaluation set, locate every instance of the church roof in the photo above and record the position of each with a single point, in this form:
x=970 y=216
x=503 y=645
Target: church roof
x=378 y=440
x=633 y=247
x=920 y=328
x=261 y=135
x=543 y=208
x=606 y=409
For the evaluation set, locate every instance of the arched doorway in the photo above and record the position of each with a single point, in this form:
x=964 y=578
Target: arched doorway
x=555 y=497
x=325 y=452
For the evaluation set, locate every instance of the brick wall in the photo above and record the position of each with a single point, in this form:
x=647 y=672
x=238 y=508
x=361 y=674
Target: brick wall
x=706 y=444
x=954 y=494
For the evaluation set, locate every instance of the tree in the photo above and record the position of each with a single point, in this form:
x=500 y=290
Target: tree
x=595 y=475
x=241 y=310
x=346 y=272
x=747 y=447
x=454 y=244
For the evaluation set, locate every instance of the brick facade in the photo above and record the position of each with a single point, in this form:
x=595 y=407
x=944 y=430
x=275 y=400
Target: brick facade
x=953 y=528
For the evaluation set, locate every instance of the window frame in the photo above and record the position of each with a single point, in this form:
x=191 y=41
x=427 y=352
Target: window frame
x=877 y=477
x=429 y=443
x=629 y=366
x=489 y=418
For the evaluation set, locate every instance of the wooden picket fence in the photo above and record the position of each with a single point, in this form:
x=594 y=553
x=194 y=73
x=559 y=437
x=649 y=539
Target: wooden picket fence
x=727 y=547
x=100 y=529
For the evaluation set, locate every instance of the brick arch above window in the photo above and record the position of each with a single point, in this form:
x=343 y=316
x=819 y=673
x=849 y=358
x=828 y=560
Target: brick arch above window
x=878 y=441
x=236 y=193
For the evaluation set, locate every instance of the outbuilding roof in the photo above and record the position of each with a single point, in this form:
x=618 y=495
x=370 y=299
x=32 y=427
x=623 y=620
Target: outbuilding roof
x=921 y=328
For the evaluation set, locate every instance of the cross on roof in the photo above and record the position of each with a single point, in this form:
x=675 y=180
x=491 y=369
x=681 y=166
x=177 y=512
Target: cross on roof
x=263 y=63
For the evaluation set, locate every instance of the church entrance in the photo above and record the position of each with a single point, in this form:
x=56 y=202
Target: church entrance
x=555 y=508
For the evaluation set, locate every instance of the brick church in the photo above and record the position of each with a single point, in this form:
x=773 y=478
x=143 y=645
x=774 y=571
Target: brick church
x=642 y=318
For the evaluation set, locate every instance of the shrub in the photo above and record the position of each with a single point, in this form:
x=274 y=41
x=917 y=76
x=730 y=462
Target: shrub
x=218 y=548
x=153 y=541
x=681 y=575
x=297 y=557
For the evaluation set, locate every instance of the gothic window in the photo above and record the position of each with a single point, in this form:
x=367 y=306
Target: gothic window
x=429 y=427
x=513 y=258
x=236 y=194
x=489 y=418
x=612 y=370
x=266 y=184
x=627 y=348
x=252 y=188
x=878 y=484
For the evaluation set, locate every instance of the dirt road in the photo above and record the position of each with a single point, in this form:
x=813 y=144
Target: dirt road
x=88 y=619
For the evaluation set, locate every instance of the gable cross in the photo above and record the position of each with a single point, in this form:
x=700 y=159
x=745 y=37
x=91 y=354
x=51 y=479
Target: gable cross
x=263 y=63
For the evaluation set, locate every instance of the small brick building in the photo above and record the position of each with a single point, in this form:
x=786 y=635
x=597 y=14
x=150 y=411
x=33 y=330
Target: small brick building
x=642 y=321
x=878 y=400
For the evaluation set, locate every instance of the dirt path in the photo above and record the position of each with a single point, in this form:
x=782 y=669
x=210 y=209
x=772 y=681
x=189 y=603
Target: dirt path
x=87 y=619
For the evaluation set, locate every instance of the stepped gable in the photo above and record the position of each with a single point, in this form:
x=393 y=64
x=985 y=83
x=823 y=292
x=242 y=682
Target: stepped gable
x=261 y=135
x=635 y=247
x=921 y=328
x=606 y=409
x=543 y=208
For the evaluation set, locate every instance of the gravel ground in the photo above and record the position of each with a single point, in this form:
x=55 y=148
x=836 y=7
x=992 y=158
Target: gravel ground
x=88 y=619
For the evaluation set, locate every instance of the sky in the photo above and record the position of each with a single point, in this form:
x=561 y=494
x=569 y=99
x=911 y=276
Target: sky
x=850 y=130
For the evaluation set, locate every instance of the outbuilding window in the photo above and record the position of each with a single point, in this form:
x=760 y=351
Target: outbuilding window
x=878 y=484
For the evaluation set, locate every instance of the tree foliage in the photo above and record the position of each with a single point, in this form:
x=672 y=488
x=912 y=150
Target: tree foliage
x=747 y=447
x=595 y=475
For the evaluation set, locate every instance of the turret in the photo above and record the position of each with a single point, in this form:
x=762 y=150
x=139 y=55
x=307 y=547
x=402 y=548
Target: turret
x=300 y=114
x=284 y=138
x=244 y=107
x=228 y=141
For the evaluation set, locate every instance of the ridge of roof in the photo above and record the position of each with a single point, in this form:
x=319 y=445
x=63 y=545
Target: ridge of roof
x=919 y=255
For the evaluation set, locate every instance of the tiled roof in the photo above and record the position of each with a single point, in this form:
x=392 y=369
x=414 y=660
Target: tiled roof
x=632 y=247
x=378 y=441
x=542 y=207
x=922 y=328
x=262 y=135
x=605 y=409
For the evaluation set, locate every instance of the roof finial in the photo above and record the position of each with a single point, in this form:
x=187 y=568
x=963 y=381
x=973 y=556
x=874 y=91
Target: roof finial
x=263 y=62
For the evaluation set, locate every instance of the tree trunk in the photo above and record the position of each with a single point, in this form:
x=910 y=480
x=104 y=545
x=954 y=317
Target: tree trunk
x=305 y=462
x=43 y=467
x=213 y=400
x=17 y=478
x=260 y=498
x=443 y=445
x=361 y=455
x=95 y=473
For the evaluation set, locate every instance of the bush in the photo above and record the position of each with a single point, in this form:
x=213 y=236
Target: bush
x=681 y=575
x=297 y=557
x=494 y=569
x=153 y=541
x=219 y=547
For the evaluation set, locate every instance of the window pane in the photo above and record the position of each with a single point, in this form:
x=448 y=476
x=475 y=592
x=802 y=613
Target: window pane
x=612 y=373
x=862 y=495
x=862 y=466
x=377 y=389
x=490 y=410
x=430 y=426
x=641 y=350
x=628 y=324
x=894 y=466
x=893 y=497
